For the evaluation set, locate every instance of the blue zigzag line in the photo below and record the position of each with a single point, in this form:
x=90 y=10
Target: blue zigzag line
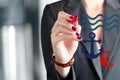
x=100 y=26
x=107 y=18
x=106 y=23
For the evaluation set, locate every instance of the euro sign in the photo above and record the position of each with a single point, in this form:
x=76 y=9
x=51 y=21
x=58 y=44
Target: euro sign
x=104 y=60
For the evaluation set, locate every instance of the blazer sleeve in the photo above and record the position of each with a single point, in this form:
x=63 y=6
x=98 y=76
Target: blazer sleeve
x=48 y=19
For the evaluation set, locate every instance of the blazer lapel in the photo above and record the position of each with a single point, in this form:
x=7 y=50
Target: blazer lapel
x=110 y=37
x=96 y=62
x=85 y=35
x=75 y=7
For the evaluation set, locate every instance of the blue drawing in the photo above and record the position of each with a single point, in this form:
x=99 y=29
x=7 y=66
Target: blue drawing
x=92 y=55
x=105 y=28
x=106 y=23
x=106 y=18
x=112 y=19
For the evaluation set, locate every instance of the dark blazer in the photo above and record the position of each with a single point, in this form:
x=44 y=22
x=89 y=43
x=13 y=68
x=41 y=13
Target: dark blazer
x=83 y=68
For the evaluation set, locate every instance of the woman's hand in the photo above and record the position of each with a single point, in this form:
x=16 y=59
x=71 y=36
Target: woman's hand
x=65 y=37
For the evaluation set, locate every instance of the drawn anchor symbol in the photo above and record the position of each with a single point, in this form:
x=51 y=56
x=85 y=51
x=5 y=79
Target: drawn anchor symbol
x=92 y=41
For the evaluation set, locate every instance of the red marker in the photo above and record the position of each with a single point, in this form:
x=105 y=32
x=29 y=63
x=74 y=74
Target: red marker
x=74 y=20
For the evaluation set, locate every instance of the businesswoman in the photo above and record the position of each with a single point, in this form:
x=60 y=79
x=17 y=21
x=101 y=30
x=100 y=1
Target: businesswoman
x=62 y=35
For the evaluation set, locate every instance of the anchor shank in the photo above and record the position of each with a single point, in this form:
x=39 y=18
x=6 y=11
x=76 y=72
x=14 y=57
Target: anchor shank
x=92 y=48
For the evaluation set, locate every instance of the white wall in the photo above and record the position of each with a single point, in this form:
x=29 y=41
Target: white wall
x=44 y=2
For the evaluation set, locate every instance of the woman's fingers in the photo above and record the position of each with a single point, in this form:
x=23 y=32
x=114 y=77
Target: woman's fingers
x=64 y=24
x=67 y=20
x=62 y=30
x=79 y=28
x=62 y=33
x=66 y=27
x=66 y=37
x=64 y=15
x=66 y=30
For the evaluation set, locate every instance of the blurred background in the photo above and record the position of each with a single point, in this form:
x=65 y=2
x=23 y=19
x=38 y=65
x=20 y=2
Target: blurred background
x=20 y=47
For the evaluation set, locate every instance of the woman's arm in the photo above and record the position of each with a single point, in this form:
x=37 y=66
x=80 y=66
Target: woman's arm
x=50 y=23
